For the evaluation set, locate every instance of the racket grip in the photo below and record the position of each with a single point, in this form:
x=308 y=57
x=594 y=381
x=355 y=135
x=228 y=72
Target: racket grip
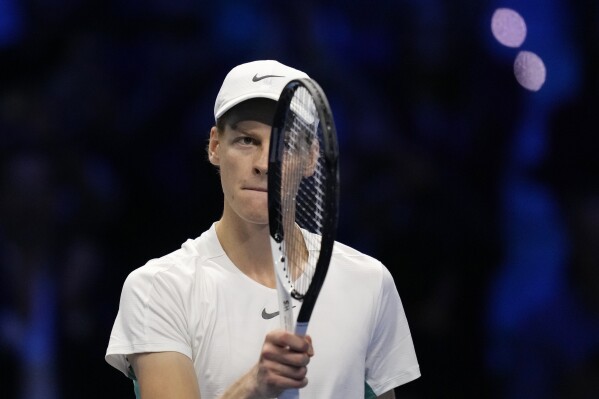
x=289 y=394
x=300 y=329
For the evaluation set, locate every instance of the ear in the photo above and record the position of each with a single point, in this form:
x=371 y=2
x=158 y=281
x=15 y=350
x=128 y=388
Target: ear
x=214 y=147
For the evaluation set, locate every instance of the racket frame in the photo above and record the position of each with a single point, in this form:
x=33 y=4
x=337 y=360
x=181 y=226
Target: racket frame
x=330 y=155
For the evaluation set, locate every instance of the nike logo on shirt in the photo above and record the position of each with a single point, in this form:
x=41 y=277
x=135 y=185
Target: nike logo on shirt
x=257 y=78
x=268 y=316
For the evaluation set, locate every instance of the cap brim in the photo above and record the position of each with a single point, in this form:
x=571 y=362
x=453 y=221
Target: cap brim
x=230 y=104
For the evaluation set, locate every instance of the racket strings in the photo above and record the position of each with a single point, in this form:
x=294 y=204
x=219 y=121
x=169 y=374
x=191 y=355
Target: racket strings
x=302 y=190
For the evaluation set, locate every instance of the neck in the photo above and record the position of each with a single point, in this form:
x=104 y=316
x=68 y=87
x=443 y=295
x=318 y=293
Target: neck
x=297 y=252
x=248 y=247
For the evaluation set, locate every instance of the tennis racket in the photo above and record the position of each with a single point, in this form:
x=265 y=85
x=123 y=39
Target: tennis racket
x=303 y=198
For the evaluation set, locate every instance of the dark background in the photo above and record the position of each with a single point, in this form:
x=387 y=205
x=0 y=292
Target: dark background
x=480 y=196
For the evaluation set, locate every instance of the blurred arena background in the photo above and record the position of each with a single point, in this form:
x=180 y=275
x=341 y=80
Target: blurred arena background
x=479 y=194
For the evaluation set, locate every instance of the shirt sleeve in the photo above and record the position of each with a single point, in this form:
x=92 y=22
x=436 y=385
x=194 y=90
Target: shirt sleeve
x=391 y=359
x=152 y=315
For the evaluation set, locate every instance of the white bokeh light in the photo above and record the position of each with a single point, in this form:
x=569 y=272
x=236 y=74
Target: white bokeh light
x=508 y=27
x=529 y=70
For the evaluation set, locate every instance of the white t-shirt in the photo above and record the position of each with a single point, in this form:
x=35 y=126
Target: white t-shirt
x=196 y=301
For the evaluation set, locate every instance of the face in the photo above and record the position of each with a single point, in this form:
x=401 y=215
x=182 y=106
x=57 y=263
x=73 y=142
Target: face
x=241 y=153
x=299 y=162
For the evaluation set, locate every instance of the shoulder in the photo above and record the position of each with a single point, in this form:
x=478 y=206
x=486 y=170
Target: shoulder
x=175 y=266
x=176 y=271
x=354 y=259
x=349 y=263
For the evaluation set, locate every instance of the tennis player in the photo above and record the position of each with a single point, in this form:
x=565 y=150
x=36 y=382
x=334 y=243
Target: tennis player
x=202 y=321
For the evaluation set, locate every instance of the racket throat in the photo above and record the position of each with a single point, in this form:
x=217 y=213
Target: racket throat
x=296 y=295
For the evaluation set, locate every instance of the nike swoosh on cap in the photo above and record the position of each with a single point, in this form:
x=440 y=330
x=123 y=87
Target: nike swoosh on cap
x=257 y=78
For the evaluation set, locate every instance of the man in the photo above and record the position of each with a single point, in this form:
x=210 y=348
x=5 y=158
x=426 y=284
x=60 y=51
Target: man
x=202 y=321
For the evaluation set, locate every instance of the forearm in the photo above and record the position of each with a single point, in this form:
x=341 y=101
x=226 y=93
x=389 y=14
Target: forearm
x=244 y=388
x=388 y=395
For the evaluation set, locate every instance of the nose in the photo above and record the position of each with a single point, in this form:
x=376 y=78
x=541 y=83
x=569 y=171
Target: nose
x=261 y=165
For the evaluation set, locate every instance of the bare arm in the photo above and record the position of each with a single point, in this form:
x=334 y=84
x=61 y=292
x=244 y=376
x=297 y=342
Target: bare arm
x=282 y=364
x=165 y=375
x=388 y=395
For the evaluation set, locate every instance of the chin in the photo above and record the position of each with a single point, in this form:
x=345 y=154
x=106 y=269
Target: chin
x=250 y=210
x=256 y=212
x=256 y=217
x=259 y=220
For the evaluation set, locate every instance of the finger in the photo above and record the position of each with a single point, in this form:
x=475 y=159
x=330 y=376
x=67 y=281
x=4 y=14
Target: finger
x=285 y=356
x=281 y=382
x=289 y=376
x=272 y=378
x=297 y=343
x=311 y=347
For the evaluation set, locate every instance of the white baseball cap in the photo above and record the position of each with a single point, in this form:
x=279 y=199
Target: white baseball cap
x=256 y=79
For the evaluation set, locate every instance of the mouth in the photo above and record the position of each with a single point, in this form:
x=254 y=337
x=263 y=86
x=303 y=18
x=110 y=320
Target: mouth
x=258 y=189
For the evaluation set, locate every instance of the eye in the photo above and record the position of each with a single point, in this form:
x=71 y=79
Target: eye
x=246 y=140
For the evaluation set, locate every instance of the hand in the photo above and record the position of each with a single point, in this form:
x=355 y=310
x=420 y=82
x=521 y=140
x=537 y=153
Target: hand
x=282 y=363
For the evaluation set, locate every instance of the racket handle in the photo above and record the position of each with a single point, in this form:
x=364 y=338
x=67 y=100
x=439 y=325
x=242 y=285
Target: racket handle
x=300 y=329
x=289 y=394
